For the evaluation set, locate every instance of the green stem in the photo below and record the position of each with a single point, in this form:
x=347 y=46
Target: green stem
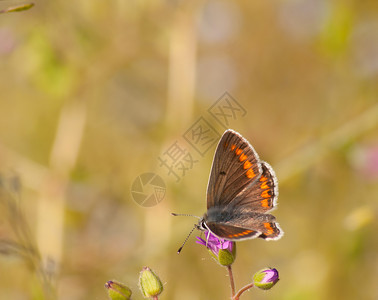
x=232 y=283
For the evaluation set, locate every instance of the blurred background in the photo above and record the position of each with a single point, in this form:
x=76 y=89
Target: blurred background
x=95 y=94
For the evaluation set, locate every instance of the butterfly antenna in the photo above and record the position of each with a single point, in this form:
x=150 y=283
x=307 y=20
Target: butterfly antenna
x=185 y=215
x=179 y=250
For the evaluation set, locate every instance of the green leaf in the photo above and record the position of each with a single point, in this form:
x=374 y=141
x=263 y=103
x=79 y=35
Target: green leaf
x=17 y=8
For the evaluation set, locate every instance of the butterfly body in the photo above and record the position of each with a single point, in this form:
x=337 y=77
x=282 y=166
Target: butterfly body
x=240 y=192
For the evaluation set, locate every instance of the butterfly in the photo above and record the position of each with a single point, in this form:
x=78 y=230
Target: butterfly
x=241 y=191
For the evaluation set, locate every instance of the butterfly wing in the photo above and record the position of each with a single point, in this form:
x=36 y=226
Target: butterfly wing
x=260 y=196
x=232 y=233
x=267 y=231
x=245 y=225
x=236 y=165
x=241 y=190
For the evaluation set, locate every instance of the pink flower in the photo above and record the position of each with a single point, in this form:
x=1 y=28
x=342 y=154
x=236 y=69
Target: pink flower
x=215 y=244
x=266 y=278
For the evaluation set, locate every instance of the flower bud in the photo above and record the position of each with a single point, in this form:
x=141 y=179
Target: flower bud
x=223 y=251
x=150 y=283
x=117 y=290
x=266 y=278
x=227 y=257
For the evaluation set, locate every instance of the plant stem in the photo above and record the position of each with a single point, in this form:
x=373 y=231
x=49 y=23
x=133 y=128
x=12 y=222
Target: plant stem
x=242 y=290
x=232 y=283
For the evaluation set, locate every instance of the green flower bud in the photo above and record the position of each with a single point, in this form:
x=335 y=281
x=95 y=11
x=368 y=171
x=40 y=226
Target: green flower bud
x=266 y=278
x=150 y=283
x=225 y=257
x=223 y=251
x=117 y=290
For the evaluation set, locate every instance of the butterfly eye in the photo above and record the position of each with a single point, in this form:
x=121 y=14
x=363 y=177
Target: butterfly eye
x=202 y=225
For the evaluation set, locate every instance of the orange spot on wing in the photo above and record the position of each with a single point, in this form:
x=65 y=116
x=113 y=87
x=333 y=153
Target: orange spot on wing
x=265 y=194
x=250 y=173
x=233 y=147
x=265 y=203
x=247 y=164
x=238 y=151
x=269 y=228
x=264 y=180
x=241 y=233
x=242 y=157
x=225 y=145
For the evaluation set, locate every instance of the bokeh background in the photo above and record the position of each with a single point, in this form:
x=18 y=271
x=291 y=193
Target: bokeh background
x=92 y=93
